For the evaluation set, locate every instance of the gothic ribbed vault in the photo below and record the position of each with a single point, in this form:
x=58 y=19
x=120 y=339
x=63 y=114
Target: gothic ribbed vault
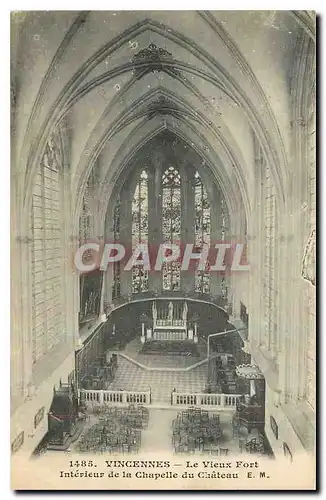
x=145 y=74
x=182 y=127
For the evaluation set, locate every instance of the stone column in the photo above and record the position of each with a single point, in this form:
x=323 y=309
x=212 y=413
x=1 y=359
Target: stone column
x=154 y=221
x=67 y=263
x=297 y=234
x=125 y=238
x=24 y=290
x=216 y=237
x=75 y=292
x=21 y=324
x=16 y=369
x=187 y=173
x=257 y=306
x=71 y=242
x=72 y=274
x=92 y=201
x=284 y=349
x=108 y=274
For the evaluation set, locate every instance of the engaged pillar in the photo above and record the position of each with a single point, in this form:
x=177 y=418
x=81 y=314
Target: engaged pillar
x=155 y=221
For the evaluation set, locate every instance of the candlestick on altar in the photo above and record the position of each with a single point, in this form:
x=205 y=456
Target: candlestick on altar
x=195 y=336
x=154 y=313
x=184 y=312
x=142 y=338
x=170 y=315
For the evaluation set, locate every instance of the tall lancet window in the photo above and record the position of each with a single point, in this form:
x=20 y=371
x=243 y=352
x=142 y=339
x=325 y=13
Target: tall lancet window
x=47 y=251
x=116 y=265
x=225 y=226
x=202 y=233
x=171 y=224
x=140 y=230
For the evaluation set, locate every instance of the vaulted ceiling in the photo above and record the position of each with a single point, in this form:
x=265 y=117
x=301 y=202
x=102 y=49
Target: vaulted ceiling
x=217 y=80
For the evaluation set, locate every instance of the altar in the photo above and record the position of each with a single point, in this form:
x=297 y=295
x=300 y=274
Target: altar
x=169 y=322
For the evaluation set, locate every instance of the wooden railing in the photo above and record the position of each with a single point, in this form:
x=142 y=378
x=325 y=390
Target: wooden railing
x=226 y=401
x=100 y=397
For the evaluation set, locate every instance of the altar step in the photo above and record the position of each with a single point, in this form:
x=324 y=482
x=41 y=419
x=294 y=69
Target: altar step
x=130 y=377
x=146 y=362
x=169 y=335
x=159 y=362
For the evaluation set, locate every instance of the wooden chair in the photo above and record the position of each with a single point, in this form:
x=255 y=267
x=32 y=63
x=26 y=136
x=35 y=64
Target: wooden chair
x=215 y=450
x=199 y=443
x=216 y=418
x=235 y=431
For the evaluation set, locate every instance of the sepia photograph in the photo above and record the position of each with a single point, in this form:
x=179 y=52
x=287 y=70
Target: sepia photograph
x=163 y=250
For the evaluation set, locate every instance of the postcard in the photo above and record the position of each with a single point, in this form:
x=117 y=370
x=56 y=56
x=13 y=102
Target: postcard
x=163 y=250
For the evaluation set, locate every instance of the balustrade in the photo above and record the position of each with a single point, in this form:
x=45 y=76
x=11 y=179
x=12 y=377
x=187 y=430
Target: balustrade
x=226 y=401
x=101 y=397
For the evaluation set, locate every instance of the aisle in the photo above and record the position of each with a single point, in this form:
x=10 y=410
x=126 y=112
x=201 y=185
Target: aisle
x=158 y=435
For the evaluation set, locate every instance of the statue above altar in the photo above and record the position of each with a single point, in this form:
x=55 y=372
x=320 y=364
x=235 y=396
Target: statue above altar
x=170 y=315
x=169 y=322
x=185 y=311
x=169 y=319
x=154 y=312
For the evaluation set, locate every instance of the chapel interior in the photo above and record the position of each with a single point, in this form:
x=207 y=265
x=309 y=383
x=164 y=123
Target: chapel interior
x=176 y=128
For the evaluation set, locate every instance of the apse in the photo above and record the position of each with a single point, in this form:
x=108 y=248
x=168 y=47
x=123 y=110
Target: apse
x=167 y=195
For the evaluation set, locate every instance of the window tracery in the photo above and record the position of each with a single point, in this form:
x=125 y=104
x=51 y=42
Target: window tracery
x=47 y=251
x=140 y=230
x=202 y=232
x=225 y=226
x=171 y=224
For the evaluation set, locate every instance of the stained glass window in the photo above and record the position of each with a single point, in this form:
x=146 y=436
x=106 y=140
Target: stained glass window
x=202 y=233
x=171 y=224
x=116 y=265
x=85 y=219
x=224 y=236
x=140 y=230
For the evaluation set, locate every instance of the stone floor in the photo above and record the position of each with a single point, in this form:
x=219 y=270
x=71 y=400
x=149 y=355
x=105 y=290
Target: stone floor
x=134 y=347
x=134 y=378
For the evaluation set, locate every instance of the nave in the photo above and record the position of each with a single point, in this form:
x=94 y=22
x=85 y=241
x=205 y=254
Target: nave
x=174 y=130
x=166 y=432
